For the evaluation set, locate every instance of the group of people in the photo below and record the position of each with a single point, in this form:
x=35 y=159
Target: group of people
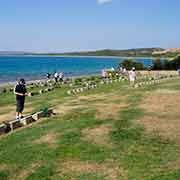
x=20 y=89
x=122 y=71
x=58 y=77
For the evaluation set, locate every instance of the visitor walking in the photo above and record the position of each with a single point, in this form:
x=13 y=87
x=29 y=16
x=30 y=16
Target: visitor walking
x=20 y=92
x=56 y=76
x=61 y=76
x=132 y=76
x=103 y=74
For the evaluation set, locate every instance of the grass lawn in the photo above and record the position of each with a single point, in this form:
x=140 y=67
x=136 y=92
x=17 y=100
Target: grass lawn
x=114 y=132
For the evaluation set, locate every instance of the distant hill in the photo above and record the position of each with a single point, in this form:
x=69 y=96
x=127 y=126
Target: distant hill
x=15 y=53
x=138 y=52
x=109 y=52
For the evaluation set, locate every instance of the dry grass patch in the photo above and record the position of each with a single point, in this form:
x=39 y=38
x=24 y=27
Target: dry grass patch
x=64 y=109
x=109 y=170
x=50 y=139
x=108 y=110
x=170 y=166
x=167 y=128
x=3 y=167
x=7 y=108
x=98 y=135
x=162 y=103
x=8 y=116
x=12 y=112
x=24 y=173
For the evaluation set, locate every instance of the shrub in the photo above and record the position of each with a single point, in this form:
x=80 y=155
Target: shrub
x=129 y=63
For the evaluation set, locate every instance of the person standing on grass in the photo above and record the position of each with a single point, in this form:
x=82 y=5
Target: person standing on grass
x=132 y=76
x=20 y=92
x=56 y=76
x=61 y=76
x=103 y=74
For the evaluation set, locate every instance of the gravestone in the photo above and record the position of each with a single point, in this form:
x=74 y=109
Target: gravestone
x=2 y=129
x=27 y=120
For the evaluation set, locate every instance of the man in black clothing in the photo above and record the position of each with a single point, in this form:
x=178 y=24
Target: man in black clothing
x=20 y=92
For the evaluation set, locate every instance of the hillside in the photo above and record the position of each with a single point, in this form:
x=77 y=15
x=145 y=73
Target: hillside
x=141 y=52
x=137 y=52
x=110 y=52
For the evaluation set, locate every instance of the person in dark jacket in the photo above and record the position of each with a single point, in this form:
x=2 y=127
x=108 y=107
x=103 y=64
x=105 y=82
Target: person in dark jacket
x=21 y=92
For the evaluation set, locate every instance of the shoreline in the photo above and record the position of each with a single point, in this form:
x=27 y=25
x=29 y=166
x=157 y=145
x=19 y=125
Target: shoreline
x=13 y=83
x=78 y=56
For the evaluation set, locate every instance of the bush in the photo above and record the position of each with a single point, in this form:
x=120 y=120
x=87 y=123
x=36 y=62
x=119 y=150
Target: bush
x=166 y=64
x=157 y=64
x=129 y=63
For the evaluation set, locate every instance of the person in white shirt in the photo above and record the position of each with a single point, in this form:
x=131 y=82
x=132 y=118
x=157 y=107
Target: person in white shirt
x=61 y=76
x=56 y=76
x=132 y=76
x=103 y=74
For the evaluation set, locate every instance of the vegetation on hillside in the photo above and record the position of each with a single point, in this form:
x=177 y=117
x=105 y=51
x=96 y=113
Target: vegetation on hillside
x=139 y=52
x=174 y=64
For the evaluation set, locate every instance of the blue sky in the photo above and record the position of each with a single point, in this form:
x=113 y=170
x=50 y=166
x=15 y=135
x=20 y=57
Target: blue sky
x=73 y=25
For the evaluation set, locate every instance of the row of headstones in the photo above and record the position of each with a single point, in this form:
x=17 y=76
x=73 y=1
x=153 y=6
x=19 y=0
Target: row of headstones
x=153 y=77
x=93 y=86
x=9 y=126
x=157 y=81
x=32 y=86
x=42 y=91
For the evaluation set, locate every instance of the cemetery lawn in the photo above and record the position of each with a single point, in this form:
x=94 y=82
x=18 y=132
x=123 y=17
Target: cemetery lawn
x=114 y=132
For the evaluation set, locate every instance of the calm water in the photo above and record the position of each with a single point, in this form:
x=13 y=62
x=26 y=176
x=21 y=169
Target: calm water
x=33 y=67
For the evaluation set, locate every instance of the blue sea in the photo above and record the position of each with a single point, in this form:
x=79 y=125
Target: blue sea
x=36 y=67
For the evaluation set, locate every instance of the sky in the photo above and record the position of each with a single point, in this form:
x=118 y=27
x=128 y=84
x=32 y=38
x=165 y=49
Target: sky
x=81 y=25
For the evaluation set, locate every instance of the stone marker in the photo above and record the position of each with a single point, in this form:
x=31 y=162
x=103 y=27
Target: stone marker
x=69 y=92
x=27 y=120
x=41 y=91
x=13 y=124
x=136 y=85
x=38 y=115
x=2 y=129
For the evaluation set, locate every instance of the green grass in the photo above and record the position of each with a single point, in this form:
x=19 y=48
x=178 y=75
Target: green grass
x=137 y=155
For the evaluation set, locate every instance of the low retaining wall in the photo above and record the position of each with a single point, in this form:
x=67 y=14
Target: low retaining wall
x=9 y=126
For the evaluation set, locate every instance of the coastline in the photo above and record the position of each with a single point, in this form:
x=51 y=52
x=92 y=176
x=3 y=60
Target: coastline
x=78 y=56
x=10 y=84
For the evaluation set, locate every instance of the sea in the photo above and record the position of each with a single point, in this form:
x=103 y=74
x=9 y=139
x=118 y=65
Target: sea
x=36 y=67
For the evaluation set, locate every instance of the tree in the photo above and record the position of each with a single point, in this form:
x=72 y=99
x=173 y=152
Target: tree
x=129 y=63
x=157 y=65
